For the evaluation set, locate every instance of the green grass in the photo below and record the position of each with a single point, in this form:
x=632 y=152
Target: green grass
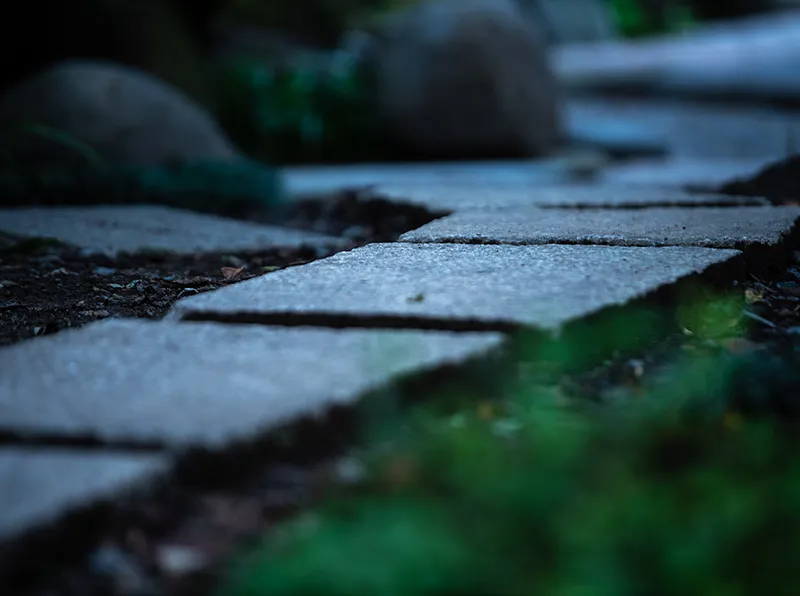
x=680 y=491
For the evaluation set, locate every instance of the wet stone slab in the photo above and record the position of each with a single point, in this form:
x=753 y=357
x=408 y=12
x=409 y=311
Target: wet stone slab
x=39 y=485
x=131 y=229
x=717 y=227
x=454 y=197
x=204 y=383
x=454 y=286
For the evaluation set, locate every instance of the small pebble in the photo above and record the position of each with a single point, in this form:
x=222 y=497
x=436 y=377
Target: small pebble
x=349 y=471
x=177 y=560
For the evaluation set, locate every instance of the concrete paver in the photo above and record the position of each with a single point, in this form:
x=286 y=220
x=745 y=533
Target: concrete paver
x=39 y=485
x=682 y=173
x=736 y=54
x=458 y=197
x=314 y=181
x=717 y=227
x=204 y=383
x=118 y=229
x=455 y=286
x=698 y=131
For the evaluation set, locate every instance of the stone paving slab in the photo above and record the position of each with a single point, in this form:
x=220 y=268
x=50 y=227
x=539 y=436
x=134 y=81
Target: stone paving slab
x=682 y=173
x=717 y=227
x=455 y=286
x=39 y=485
x=741 y=50
x=695 y=130
x=457 y=197
x=204 y=383
x=315 y=181
x=136 y=228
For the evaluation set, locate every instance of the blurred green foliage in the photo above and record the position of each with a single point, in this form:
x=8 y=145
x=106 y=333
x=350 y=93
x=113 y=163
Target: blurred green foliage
x=638 y=18
x=285 y=115
x=312 y=114
x=80 y=176
x=679 y=492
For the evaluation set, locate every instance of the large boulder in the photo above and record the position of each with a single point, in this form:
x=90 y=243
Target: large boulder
x=125 y=115
x=466 y=79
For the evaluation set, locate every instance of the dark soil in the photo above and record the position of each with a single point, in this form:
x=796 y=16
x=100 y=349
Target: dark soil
x=780 y=183
x=46 y=287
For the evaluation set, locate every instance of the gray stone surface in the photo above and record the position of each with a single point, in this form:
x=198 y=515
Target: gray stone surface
x=457 y=197
x=682 y=173
x=313 y=181
x=136 y=228
x=718 y=227
x=457 y=285
x=617 y=137
x=695 y=130
x=38 y=485
x=204 y=383
x=751 y=55
x=759 y=79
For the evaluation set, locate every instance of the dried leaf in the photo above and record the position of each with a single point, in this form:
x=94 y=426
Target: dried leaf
x=232 y=273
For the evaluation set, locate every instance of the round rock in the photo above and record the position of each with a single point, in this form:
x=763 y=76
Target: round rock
x=124 y=114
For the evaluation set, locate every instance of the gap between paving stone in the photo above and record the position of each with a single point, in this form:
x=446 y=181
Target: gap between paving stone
x=713 y=227
x=452 y=286
x=452 y=197
x=203 y=384
x=140 y=228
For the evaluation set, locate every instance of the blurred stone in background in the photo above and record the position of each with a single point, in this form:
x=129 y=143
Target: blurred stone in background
x=467 y=78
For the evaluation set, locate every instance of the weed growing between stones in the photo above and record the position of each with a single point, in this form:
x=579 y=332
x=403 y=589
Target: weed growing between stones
x=684 y=489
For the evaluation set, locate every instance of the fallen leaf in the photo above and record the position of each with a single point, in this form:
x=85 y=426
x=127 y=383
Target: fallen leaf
x=232 y=273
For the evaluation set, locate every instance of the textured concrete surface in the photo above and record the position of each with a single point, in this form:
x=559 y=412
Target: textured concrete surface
x=312 y=181
x=38 y=485
x=726 y=49
x=456 y=286
x=456 y=197
x=698 y=131
x=718 y=227
x=137 y=228
x=751 y=59
x=203 y=383
x=682 y=173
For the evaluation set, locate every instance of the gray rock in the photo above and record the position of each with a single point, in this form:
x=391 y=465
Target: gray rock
x=39 y=485
x=137 y=228
x=467 y=78
x=459 y=197
x=718 y=227
x=125 y=115
x=452 y=286
x=207 y=384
